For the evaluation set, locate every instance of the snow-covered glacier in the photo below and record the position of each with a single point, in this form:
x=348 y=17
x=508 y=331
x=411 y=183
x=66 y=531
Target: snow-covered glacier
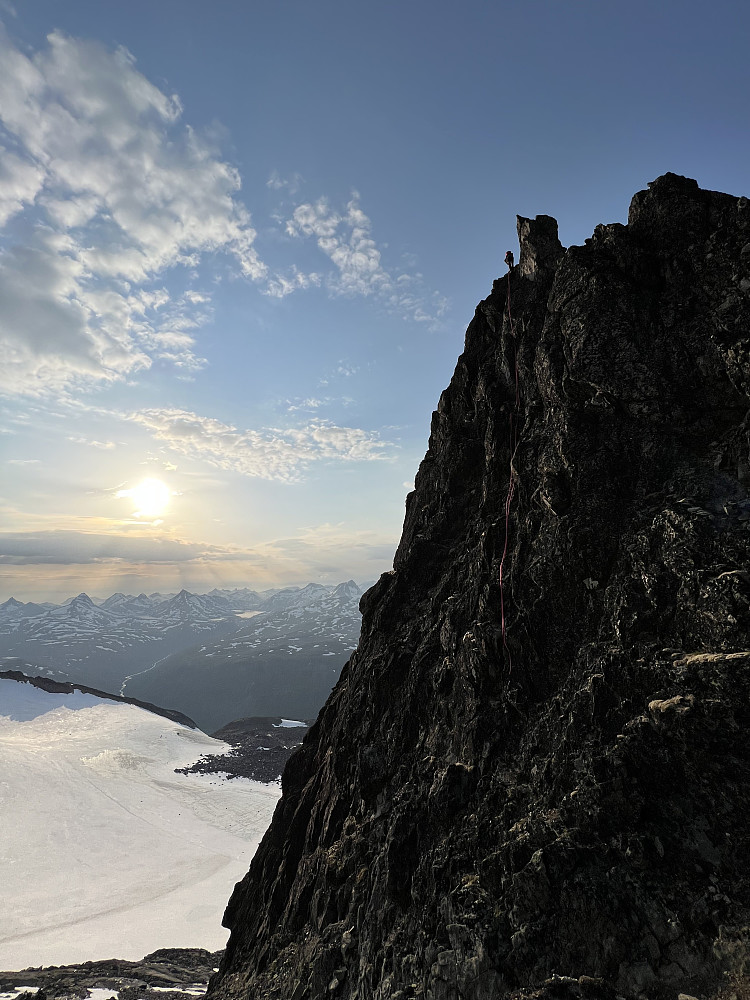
x=104 y=850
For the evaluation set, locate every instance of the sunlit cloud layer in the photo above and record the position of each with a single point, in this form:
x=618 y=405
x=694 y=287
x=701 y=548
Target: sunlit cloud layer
x=56 y=564
x=271 y=453
x=121 y=192
x=76 y=547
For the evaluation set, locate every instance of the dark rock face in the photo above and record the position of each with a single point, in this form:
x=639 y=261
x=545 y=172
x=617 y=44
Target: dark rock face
x=467 y=820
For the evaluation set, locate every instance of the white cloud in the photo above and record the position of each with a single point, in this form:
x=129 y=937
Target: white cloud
x=20 y=182
x=311 y=403
x=278 y=183
x=280 y=285
x=273 y=453
x=103 y=445
x=51 y=330
x=122 y=192
x=346 y=239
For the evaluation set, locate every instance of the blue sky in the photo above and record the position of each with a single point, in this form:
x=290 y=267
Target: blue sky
x=240 y=243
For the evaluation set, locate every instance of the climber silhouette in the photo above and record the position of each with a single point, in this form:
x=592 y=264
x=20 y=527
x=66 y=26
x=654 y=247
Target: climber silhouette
x=509 y=259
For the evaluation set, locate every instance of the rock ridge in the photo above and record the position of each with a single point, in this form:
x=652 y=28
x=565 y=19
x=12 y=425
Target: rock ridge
x=467 y=820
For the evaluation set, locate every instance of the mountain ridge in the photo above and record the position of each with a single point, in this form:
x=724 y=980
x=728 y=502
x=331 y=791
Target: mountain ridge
x=535 y=763
x=62 y=687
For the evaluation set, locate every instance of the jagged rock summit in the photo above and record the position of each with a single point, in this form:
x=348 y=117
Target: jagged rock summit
x=466 y=820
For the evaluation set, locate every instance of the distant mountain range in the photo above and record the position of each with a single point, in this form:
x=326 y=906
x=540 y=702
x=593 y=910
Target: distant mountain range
x=228 y=653
x=283 y=661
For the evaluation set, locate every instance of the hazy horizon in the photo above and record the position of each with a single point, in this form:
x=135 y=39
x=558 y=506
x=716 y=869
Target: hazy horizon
x=94 y=595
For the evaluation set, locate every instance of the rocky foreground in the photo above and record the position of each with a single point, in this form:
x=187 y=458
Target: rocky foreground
x=261 y=746
x=178 y=973
x=534 y=774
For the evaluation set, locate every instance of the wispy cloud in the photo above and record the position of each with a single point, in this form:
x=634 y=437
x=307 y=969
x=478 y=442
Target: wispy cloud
x=280 y=285
x=343 y=369
x=121 y=192
x=103 y=445
x=291 y=184
x=309 y=404
x=346 y=239
x=272 y=453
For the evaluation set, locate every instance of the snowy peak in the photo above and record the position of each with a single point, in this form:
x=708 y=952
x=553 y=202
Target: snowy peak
x=115 y=601
x=69 y=600
x=81 y=608
x=81 y=602
x=191 y=607
x=348 y=591
x=84 y=604
x=293 y=597
x=138 y=606
x=11 y=610
x=241 y=599
x=81 y=612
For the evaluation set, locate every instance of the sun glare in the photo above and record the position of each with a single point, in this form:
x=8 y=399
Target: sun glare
x=150 y=497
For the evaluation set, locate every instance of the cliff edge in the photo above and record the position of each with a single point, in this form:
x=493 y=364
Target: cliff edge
x=548 y=776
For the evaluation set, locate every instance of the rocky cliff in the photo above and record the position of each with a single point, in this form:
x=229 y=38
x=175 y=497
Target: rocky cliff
x=552 y=775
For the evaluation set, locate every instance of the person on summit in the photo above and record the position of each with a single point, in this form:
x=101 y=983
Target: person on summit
x=509 y=259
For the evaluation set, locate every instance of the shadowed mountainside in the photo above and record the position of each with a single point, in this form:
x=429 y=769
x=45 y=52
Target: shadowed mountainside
x=465 y=820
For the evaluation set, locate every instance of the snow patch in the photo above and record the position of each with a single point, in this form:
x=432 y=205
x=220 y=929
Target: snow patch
x=105 y=850
x=194 y=991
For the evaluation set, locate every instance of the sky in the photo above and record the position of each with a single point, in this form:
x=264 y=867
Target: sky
x=241 y=241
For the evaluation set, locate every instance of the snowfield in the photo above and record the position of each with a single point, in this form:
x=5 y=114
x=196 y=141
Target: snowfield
x=105 y=852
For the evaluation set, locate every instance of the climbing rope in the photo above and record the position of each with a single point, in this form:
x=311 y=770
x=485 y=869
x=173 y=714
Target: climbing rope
x=513 y=447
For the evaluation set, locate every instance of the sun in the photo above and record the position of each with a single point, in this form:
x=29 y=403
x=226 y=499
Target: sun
x=150 y=497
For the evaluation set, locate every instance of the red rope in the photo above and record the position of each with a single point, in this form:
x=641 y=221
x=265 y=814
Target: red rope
x=513 y=445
